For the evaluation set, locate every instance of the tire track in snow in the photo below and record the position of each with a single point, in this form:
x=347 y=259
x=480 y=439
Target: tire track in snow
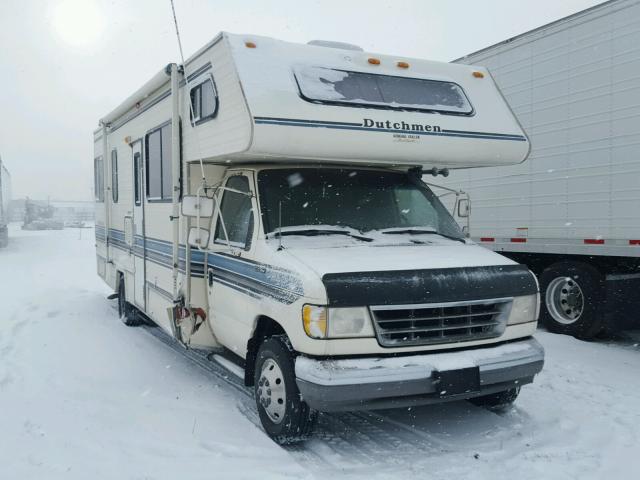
x=246 y=404
x=8 y=343
x=352 y=440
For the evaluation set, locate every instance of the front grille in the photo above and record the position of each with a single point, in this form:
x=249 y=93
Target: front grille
x=427 y=324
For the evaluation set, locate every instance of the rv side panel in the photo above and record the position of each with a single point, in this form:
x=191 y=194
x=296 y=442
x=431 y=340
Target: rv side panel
x=98 y=192
x=154 y=113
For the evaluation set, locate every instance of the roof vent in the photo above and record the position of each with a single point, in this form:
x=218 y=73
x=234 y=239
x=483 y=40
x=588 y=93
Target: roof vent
x=340 y=45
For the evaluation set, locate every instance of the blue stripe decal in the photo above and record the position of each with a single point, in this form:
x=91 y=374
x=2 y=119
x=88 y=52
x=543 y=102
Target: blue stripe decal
x=356 y=126
x=100 y=233
x=252 y=278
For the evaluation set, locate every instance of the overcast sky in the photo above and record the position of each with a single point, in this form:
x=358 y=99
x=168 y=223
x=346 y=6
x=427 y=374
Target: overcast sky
x=65 y=63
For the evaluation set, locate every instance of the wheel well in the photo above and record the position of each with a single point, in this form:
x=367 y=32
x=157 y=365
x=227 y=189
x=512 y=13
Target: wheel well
x=265 y=327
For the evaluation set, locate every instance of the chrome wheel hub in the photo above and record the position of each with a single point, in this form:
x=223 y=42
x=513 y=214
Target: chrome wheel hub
x=564 y=300
x=271 y=392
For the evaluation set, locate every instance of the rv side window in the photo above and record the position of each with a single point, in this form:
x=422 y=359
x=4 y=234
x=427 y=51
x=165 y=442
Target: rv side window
x=98 y=179
x=114 y=175
x=158 y=159
x=237 y=214
x=136 y=177
x=325 y=85
x=204 y=102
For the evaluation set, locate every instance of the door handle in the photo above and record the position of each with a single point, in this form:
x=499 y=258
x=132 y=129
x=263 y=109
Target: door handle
x=210 y=276
x=261 y=268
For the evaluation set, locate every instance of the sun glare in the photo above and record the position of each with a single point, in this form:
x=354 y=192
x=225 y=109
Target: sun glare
x=79 y=23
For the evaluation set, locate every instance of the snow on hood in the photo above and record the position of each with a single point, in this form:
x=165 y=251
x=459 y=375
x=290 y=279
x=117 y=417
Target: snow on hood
x=373 y=257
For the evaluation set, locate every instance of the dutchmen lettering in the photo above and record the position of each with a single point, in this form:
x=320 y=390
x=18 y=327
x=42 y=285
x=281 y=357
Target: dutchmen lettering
x=400 y=126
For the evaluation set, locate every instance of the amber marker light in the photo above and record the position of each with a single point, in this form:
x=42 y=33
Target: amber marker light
x=249 y=44
x=314 y=321
x=373 y=61
x=402 y=65
x=478 y=74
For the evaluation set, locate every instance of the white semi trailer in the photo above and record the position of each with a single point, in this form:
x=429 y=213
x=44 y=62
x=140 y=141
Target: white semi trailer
x=571 y=212
x=5 y=200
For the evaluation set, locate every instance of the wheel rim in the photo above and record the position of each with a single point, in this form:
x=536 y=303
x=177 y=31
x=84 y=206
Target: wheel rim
x=271 y=392
x=565 y=300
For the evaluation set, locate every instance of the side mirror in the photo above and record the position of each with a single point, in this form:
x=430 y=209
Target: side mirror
x=464 y=208
x=194 y=206
x=198 y=237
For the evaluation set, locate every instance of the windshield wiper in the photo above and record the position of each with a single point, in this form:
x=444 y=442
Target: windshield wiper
x=421 y=231
x=313 y=232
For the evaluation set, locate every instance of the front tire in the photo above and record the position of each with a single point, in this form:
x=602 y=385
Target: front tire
x=497 y=401
x=572 y=299
x=284 y=415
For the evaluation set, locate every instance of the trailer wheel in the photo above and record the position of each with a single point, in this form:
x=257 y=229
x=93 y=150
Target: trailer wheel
x=572 y=299
x=284 y=415
x=497 y=401
x=126 y=311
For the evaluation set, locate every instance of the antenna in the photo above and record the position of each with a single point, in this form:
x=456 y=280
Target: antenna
x=186 y=80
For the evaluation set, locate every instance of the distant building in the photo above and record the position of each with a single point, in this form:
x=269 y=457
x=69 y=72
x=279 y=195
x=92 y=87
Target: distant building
x=65 y=211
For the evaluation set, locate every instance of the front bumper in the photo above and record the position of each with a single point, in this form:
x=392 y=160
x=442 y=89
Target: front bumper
x=389 y=382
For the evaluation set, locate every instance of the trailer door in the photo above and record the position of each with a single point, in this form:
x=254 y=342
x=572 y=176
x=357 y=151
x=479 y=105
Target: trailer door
x=139 y=248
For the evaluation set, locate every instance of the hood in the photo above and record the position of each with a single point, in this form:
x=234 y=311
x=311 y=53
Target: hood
x=368 y=258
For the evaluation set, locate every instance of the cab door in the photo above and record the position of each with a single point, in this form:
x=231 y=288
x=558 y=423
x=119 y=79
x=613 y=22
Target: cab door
x=139 y=250
x=231 y=267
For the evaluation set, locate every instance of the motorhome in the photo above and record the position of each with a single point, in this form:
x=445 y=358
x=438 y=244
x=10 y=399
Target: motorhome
x=265 y=201
x=571 y=213
x=5 y=201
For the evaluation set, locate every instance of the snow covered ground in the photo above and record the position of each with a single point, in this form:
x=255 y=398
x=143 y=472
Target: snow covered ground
x=84 y=397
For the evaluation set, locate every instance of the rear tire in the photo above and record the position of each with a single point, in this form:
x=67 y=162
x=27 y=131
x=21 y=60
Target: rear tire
x=497 y=401
x=284 y=415
x=572 y=300
x=126 y=311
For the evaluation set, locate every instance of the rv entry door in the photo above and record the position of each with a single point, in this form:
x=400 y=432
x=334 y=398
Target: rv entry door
x=139 y=244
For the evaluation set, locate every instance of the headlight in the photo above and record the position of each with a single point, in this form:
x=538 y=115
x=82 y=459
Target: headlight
x=524 y=309
x=350 y=322
x=323 y=322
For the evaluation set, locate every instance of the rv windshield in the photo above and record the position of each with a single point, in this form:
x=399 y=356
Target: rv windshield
x=362 y=199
